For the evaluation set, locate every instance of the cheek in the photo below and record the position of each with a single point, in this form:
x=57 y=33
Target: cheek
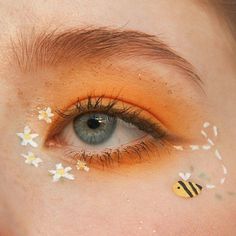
x=139 y=202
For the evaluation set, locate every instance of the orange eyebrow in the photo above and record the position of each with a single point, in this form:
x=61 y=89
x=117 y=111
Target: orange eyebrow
x=35 y=50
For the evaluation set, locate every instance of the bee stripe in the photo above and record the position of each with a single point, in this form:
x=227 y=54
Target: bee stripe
x=199 y=186
x=185 y=188
x=194 y=190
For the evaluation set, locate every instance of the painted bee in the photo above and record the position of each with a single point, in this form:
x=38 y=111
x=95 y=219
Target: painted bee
x=186 y=189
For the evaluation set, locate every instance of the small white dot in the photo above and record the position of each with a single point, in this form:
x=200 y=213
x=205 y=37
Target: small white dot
x=210 y=141
x=179 y=148
x=206 y=124
x=204 y=133
x=206 y=147
x=194 y=147
x=154 y=231
x=222 y=180
x=215 y=130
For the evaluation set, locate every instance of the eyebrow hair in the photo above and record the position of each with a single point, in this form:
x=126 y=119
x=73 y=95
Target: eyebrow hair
x=51 y=48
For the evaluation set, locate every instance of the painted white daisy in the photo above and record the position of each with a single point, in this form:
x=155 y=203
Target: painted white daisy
x=61 y=172
x=27 y=137
x=31 y=159
x=81 y=165
x=46 y=115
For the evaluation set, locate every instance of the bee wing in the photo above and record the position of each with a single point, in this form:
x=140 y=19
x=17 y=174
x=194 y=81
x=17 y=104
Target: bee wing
x=185 y=176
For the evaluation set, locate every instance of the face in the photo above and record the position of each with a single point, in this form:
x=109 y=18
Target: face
x=117 y=117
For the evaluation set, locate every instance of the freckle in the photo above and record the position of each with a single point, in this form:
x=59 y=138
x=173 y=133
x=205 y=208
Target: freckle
x=191 y=168
x=232 y=193
x=218 y=196
x=19 y=92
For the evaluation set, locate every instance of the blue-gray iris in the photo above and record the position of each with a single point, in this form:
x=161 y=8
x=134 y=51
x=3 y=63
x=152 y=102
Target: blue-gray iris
x=94 y=128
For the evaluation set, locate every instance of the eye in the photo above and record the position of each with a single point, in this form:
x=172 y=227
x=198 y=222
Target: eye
x=103 y=130
x=96 y=132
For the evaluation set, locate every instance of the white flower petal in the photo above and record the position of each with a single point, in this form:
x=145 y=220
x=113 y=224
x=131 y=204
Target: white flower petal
x=68 y=169
x=39 y=160
x=24 y=143
x=27 y=161
x=34 y=136
x=59 y=166
x=48 y=110
x=55 y=178
x=25 y=156
x=53 y=172
x=33 y=143
x=21 y=135
x=35 y=164
x=48 y=120
x=27 y=130
x=69 y=176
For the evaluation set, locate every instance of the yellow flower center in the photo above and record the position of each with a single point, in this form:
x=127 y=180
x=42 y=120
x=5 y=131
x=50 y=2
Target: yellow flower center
x=44 y=114
x=81 y=165
x=31 y=158
x=27 y=136
x=60 y=172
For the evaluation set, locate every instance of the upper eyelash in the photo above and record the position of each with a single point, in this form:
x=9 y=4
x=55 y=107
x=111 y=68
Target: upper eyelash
x=127 y=114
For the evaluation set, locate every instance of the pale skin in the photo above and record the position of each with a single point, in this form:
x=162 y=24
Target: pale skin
x=133 y=199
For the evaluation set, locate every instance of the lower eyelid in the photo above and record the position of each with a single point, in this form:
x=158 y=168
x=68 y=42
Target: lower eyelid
x=143 y=149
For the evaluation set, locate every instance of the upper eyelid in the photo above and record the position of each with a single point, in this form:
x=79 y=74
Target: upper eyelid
x=131 y=114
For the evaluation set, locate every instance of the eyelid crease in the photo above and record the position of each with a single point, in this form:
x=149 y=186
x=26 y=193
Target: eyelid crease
x=112 y=98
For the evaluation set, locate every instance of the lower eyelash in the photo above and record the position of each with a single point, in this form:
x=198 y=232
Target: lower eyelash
x=142 y=150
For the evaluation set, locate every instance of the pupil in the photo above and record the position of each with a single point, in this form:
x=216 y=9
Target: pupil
x=93 y=123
